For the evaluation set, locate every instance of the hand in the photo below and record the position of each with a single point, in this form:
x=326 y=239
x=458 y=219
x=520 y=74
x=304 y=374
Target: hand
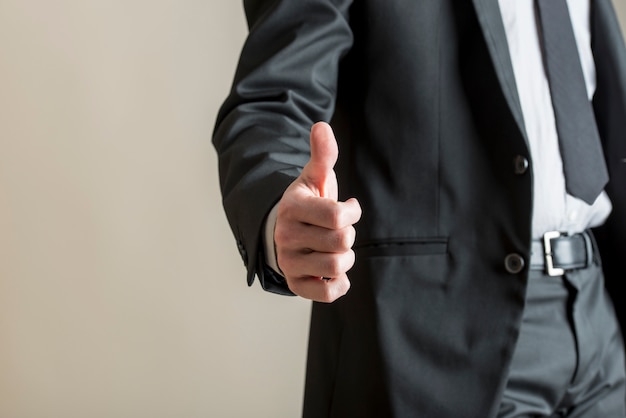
x=314 y=232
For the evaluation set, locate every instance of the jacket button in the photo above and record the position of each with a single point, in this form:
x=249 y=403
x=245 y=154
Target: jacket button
x=520 y=163
x=514 y=263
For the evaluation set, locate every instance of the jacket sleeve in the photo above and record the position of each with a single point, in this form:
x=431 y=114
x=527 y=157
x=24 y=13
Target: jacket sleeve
x=610 y=106
x=285 y=81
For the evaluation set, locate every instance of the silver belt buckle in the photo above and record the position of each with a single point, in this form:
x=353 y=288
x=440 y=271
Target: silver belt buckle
x=547 y=253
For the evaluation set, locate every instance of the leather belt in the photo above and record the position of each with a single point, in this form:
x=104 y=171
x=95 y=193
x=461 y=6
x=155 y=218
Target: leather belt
x=558 y=252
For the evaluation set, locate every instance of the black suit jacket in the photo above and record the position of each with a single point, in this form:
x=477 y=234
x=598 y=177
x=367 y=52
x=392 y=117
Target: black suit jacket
x=423 y=101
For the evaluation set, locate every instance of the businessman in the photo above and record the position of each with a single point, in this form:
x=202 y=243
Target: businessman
x=460 y=220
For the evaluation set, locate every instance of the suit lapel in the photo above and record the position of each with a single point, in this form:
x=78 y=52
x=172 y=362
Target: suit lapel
x=490 y=20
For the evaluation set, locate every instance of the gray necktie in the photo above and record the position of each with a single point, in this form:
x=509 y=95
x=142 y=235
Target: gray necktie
x=579 y=140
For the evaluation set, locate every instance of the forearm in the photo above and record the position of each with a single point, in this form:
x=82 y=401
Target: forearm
x=285 y=81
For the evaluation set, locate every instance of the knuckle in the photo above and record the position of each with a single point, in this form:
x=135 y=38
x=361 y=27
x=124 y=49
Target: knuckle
x=352 y=235
x=351 y=259
x=285 y=207
x=286 y=263
x=340 y=242
x=335 y=266
x=335 y=289
x=341 y=215
x=286 y=198
x=335 y=216
x=358 y=211
x=346 y=239
x=282 y=236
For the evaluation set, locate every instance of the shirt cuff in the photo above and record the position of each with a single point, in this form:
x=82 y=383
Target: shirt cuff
x=268 y=240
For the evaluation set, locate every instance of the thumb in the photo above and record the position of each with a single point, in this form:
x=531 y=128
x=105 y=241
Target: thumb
x=318 y=174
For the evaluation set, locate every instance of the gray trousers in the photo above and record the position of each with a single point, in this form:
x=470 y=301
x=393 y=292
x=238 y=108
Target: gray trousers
x=569 y=361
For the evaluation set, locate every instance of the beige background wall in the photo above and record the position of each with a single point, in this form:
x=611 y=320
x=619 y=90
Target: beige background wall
x=121 y=291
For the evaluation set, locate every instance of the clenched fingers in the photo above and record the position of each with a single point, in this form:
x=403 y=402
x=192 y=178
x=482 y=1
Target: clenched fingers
x=320 y=289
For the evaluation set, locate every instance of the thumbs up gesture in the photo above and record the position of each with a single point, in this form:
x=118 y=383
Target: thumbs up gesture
x=314 y=232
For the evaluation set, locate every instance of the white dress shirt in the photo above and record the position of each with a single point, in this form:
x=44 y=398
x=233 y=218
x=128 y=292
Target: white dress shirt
x=554 y=209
